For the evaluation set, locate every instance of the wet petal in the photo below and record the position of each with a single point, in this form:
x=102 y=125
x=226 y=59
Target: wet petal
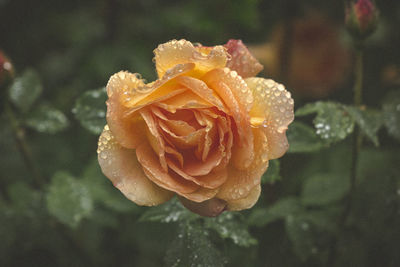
x=176 y=52
x=241 y=182
x=242 y=60
x=121 y=166
x=247 y=202
x=273 y=108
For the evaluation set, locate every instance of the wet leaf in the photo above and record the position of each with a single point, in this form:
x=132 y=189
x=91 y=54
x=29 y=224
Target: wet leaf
x=68 y=199
x=332 y=122
x=369 y=122
x=272 y=174
x=90 y=110
x=46 y=119
x=193 y=247
x=302 y=138
x=391 y=113
x=172 y=211
x=324 y=188
x=231 y=226
x=25 y=90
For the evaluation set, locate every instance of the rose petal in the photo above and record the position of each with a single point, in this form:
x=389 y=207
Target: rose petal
x=121 y=166
x=209 y=208
x=176 y=52
x=154 y=171
x=185 y=100
x=242 y=60
x=247 y=202
x=241 y=182
x=128 y=130
x=273 y=106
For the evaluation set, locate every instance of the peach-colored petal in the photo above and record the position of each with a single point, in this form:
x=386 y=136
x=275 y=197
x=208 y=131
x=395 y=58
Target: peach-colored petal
x=128 y=130
x=200 y=195
x=152 y=168
x=209 y=208
x=239 y=99
x=182 y=142
x=242 y=60
x=247 y=202
x=241 y=182
x=185 y=100
x=121 y=166
x=176 y=52
x=273 y=110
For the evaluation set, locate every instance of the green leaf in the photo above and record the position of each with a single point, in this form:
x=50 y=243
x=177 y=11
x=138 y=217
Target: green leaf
x=391 y=113
x=68 y=199
x=90 y=110
x=303 y=138
x=272 y=174
x=324 y=188
x=172 y=211
x=25 y=90
x=369 y=122
x=332 y=122
x=46 y=119
x=280 y=210
x=231 y=226
x=24 y=198
x=103 y=191
x=192 y=247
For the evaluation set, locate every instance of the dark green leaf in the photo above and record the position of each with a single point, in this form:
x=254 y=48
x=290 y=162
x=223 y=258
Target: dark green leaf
x=303 y=138
x=231 y=225
x=369 y=121
x=46 y=119
x=324 y=188
x=25 y=90
x=68 y=199
x=280 y=210
x=332 y=122
x=90 y=110
x=102 y=190
x=272 y=174
x=391 y=113
x=172 y=211
x=192 y=247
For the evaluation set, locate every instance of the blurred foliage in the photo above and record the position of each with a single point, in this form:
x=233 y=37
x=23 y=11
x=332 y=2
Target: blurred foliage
x=58 y=209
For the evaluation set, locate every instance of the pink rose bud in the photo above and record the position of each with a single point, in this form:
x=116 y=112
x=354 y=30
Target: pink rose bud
x=6 y=69
x=361 y=17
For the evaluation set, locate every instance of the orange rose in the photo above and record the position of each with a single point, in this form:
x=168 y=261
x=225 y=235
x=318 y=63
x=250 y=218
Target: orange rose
x=204 y=130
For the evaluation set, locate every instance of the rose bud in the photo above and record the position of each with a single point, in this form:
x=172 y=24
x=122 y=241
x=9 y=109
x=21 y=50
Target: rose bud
x=361 y=18
x=205 y=130
x=6 y=70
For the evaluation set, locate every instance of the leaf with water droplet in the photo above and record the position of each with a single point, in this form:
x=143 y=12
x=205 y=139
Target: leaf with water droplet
x=90 y=110
x=169 y=212
x=391 y=113
x=324 y=188
x=369 y=121
x=68 y=199
x=25 y=90
x=193 y=247
x=231 y=226
x=302 y=138
x=272 y=174
x=46 y=119
x=332 y=123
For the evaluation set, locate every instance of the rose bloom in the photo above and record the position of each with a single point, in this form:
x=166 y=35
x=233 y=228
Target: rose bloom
x=318 y=61
x=204 y=130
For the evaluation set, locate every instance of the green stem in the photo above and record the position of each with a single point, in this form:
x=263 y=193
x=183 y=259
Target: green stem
x=19 y=136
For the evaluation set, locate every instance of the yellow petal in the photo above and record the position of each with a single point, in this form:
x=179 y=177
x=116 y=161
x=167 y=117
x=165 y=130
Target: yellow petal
x=274 y=105
x=176 y=52
x=121 y=166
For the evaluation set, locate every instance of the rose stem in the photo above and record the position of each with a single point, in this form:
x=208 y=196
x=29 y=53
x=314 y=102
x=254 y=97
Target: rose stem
x=19 y=136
